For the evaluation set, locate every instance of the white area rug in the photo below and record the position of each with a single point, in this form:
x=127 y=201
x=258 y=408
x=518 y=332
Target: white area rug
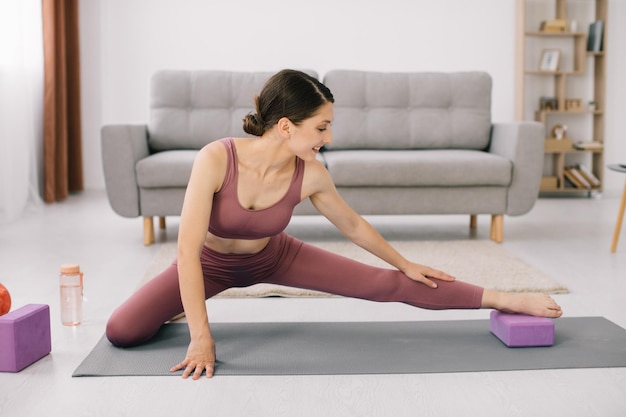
x=480 y=262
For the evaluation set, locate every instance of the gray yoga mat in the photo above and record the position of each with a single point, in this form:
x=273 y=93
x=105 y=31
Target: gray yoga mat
x=366 y=348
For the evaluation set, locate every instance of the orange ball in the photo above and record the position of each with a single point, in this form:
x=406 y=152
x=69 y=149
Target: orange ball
x=5 y=300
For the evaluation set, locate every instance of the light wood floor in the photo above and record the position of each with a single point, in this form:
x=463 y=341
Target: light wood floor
x=568 y=239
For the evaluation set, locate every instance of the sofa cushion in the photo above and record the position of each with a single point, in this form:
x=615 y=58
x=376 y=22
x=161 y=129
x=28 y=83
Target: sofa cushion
x=418 y=168
x=189 y=109
x=375 y=110
x=165 y=169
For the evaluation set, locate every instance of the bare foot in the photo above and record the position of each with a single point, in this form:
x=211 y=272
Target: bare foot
x=533 y=304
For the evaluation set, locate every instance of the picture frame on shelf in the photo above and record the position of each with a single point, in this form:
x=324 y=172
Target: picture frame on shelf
x=548 y=104
x=573 y=104
x=549 y=61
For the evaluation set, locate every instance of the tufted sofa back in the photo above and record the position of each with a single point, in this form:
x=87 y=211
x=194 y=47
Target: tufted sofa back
x=189 y=109
x=375 y=110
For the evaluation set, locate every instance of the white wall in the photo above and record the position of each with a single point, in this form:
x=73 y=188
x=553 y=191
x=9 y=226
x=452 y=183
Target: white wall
x=123 y=42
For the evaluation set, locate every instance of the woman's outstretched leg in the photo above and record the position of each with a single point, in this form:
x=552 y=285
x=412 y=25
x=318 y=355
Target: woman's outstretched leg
x=317 y=269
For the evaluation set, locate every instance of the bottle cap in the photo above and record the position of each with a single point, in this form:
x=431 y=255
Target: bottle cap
x=70 y=269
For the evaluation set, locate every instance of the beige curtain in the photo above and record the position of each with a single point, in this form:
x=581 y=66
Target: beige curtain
x=62 y=148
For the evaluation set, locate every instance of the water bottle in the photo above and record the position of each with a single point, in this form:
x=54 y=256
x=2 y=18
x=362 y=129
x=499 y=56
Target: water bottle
x=71 y=280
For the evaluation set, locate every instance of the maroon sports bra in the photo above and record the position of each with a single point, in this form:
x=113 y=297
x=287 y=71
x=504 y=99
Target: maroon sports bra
x=230 y=220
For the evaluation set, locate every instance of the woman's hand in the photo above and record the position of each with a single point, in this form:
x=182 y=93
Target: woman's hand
x=423 y=273
x=200 y=358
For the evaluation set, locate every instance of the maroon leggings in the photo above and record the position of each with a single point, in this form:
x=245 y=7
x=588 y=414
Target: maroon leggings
x=285 y=261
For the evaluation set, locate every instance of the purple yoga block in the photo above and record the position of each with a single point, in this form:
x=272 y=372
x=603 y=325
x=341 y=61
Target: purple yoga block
x=518 y=330
x=24 y=337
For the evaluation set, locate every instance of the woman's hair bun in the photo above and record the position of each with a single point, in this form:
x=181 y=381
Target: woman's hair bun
x=252 y=125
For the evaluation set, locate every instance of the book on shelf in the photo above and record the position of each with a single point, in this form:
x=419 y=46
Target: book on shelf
x=569 y=184
x=588 y=175
x=594 y=39
x=589 y=146
x=576 y=179
x=553 y=26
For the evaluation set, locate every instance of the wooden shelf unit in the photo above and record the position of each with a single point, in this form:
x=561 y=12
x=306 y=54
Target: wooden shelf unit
x=577 y=65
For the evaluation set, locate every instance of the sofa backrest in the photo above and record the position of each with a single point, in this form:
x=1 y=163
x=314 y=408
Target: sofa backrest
x=189 y=109
x=427 y=110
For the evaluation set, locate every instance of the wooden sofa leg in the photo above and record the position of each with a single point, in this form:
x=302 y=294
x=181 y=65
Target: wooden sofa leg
x=497 y=228
x=162 y=222
x=148 y=231
x=473 y=221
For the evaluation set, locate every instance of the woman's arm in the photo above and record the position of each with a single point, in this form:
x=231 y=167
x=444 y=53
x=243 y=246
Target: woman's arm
x=194 y=222
x=329 y=203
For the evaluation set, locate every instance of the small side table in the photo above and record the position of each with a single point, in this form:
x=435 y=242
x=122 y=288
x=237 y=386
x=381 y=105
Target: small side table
x=620 y=214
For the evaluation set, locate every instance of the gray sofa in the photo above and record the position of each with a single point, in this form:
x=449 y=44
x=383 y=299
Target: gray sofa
x=403 y=143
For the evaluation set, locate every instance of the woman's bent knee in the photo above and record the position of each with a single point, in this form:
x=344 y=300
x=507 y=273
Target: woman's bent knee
x=122 y=333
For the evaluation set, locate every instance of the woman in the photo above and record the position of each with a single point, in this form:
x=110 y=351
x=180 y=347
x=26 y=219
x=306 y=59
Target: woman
x=240 y=198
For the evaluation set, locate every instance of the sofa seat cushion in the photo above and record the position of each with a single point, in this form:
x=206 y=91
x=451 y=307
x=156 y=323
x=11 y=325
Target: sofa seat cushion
x=165 y=169
x=418 y=168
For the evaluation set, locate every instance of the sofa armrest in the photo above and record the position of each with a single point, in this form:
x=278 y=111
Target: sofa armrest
x=523 y=144
x=122 y=147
